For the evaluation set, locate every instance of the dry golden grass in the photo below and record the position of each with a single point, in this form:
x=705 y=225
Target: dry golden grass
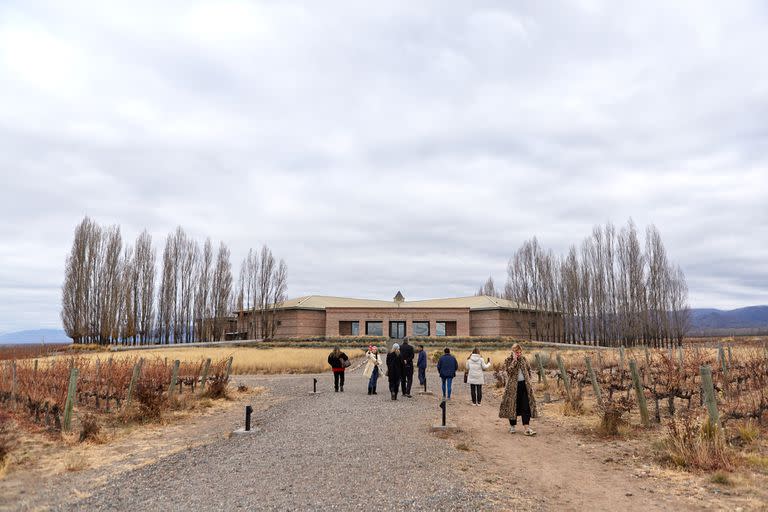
x=247 y=360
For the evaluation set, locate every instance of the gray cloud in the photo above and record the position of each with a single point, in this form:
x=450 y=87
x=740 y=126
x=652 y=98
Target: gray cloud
x=407 y=146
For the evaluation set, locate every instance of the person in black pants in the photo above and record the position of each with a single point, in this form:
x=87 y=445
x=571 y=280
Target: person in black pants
x=339 y=362
x=394 y=370
x=406 y=354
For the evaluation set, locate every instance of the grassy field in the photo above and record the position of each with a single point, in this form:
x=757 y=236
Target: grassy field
x=246 y=360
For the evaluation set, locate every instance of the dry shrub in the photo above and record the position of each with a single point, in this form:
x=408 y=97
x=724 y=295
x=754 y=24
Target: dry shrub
x=7 y=440
x=574 y=406
x=242 y=388
x=612 y=413
x=89 y=428
x=217 y=388
x=150 y=400
x=694 y=444
x=75 y=461
x=746 y=433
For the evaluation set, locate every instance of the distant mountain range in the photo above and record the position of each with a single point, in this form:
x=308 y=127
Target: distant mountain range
x=35 y=336
x=704 y=321
x=749 y=320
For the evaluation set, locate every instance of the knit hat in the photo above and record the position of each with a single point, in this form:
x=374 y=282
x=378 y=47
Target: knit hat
x=395 y=346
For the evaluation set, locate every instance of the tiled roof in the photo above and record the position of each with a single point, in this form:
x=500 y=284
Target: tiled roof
x=477 y=302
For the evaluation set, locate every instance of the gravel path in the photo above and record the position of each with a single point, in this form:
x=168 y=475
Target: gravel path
x=331 y=451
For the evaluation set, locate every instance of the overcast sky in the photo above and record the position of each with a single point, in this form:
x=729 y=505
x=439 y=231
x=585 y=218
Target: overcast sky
x=384 y=146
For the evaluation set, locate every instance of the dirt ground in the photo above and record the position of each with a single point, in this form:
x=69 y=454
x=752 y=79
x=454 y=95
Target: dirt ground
x=69 y=470
x=572 y=468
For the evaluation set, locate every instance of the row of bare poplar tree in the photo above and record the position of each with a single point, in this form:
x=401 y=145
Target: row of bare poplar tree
x=609 y=291
x=110 y=293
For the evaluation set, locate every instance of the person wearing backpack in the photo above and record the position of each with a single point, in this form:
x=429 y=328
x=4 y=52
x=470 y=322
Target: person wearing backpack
x=475 y=376
x=447 y=366
x=339 y=362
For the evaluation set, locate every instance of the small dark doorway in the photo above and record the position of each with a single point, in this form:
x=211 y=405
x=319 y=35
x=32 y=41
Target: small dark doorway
x=397 y=329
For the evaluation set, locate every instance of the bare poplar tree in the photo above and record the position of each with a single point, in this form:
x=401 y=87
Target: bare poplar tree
x=221 y=289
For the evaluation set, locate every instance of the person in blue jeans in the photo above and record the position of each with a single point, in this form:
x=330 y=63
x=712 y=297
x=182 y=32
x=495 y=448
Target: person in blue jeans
x=447 y=367
x=421 y=364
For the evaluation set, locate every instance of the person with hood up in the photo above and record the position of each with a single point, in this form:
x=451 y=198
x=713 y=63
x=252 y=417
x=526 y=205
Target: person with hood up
x=394 y=370
x=373 y=368
x=475 y=376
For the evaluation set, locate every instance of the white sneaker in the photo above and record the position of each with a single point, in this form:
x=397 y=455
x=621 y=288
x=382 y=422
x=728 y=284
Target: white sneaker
x=530 y=432
x=511 y=430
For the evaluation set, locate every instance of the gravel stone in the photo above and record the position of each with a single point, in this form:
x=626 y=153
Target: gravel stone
x=330 y=451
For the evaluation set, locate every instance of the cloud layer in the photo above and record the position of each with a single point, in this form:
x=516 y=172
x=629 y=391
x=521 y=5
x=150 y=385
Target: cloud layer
x=406 y=145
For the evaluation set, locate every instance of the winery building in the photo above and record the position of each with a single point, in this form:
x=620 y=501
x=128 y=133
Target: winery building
x=323 y=316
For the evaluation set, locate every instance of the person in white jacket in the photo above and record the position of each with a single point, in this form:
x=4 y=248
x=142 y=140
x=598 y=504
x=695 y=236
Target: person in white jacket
x=373 y=368
x=475 y=376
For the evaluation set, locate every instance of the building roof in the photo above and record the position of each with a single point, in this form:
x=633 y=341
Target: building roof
x=476 y=302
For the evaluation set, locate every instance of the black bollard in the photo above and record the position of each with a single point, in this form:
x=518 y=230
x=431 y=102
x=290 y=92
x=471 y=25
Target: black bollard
x=444 y=407
x=248 y=412
x=314 y=385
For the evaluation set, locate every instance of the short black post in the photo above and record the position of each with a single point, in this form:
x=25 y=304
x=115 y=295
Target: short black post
x=444 y=407
x=248 y=412
x=314 y=385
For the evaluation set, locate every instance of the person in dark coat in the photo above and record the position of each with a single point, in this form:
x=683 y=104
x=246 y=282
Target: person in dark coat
x=421 y=364
x=406 y=354
x=339 y=362
x=394 y=370
x=447 y=366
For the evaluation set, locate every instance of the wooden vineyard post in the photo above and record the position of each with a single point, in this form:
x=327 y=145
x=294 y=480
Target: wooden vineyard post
x=204 y=377
x=542 y=375
x=134 y=380
x=229 y=368
x=593 y=378
x=566 y=380
x=70 y=403
x=721 y=356
x=639 y=392
x=708 y=388
x=34 y=374
x=730 y=357
x=174 y=377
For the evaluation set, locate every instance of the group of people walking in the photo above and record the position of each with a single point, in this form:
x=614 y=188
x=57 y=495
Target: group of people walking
x=518 y=398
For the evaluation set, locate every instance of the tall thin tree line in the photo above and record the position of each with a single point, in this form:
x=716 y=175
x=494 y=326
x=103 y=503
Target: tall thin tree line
x=608 y=291
x=111 y=293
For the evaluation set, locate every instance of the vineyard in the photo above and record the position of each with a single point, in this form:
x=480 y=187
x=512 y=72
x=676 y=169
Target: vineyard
x=697 y=390
x=48 y=390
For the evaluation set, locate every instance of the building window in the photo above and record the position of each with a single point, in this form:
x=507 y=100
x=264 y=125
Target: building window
x=421 y=328
x=446 y=328
x=374 y=328
x=349 y=328
x=397 y=329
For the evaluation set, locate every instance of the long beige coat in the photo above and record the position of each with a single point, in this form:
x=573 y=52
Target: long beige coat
x=508 y=408
x=374 y=360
